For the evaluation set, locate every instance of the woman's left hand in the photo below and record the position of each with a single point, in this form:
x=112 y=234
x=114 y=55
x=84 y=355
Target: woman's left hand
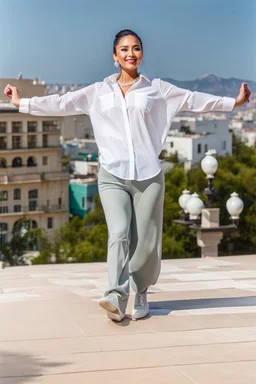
x=244 y=95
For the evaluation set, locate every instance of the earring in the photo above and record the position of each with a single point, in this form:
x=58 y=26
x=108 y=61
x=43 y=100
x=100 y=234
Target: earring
x=116 y=64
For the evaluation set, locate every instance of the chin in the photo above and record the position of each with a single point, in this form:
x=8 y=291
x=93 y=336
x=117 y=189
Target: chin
x=131 y=66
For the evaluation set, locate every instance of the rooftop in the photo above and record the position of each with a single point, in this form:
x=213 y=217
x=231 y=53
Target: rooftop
x=201 y=328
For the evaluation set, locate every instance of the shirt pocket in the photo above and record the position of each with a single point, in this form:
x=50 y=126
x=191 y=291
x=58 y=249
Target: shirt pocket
x=144 y=101
x=107 y=101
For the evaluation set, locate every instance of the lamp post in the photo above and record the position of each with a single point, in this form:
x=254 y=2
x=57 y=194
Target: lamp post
x=208 y=230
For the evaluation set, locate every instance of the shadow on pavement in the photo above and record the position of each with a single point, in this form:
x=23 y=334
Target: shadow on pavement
x=17 y=368
x=161 y=308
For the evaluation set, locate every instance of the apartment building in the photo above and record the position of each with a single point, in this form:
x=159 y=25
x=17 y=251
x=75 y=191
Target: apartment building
x=33 y=185
x=192 y=137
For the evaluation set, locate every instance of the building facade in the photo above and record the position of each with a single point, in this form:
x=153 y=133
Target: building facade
x=32 y=184
x=192 y=137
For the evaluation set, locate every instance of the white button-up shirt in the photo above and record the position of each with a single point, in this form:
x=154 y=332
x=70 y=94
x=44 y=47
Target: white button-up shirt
x=130 y=131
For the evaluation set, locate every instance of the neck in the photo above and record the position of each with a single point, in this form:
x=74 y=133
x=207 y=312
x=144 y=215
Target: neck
x=126 y=75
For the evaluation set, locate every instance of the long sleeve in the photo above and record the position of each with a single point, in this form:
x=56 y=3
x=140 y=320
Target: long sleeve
x=179 y=99
x=71 y=103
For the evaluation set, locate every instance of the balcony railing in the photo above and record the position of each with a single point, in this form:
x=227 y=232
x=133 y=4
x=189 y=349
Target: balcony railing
x=27 y=147
x=51 y=128
x=6 y=177
x=36 y=208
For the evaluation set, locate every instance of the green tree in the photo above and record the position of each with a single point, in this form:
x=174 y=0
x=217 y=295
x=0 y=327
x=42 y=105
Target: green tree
x=85 y=240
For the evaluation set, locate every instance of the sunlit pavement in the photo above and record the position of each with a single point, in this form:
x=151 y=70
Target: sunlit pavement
x=201 y=328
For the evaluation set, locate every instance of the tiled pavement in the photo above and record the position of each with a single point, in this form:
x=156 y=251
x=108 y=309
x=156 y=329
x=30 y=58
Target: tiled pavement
x=201 y=328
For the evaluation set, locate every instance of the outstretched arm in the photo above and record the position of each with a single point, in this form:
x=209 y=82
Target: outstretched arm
x=71 y=103
x=180 y=99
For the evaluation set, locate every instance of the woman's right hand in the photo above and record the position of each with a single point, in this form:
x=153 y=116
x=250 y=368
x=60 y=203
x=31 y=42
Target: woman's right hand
x=13 y=94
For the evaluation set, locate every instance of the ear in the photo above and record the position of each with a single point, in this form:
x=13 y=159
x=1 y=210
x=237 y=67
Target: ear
x=114 y=57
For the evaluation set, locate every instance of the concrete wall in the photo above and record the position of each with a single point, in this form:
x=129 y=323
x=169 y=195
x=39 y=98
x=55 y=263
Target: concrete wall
x=76 y=126
x=25 y=86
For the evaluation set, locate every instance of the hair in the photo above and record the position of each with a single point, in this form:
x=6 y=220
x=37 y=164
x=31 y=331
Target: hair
x=121 y=34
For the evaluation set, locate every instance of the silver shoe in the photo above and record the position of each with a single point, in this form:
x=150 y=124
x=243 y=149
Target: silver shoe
x=111 y=304
x=141 y=307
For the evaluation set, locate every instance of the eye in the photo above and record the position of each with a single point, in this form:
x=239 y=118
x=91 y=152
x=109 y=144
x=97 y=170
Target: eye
x=137 y=49
x=123 y=49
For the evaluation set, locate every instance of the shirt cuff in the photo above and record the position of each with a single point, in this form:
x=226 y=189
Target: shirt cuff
x=24 y=105
x=228 y=104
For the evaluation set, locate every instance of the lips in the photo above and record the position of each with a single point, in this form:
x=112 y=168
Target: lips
x=131 y=61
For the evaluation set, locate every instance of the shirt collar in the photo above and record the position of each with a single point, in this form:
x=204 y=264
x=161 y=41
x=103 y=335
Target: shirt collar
x=112 y=78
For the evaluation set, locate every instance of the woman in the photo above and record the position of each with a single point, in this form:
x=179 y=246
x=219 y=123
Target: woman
x=131 y=116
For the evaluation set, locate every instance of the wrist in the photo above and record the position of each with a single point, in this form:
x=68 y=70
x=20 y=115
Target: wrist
x=238 y=104
x=16 y=102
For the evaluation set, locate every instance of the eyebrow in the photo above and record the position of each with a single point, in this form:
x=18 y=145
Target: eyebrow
x=126 y=46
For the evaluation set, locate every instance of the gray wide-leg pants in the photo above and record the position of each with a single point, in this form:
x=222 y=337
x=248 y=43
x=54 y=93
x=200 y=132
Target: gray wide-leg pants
x=134 y=215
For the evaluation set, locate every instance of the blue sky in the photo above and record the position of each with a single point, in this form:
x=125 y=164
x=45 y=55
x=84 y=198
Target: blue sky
x=70 y=41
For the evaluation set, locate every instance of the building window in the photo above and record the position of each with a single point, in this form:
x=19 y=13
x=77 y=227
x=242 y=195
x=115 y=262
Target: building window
x=17 y=194
x=32 y=205
x=3 y=233
x=185 y=128
x=3 y=227
x=3 y=142
x=198 y=148
x=60 y=202
x=16 y=126
x=31 y=141
x=83 y=202
x=45 y=160
x=206 y=147
x=3 y=195
x=31 y=126
x=3 y=209
x=3 y=163
x=17 y=208
x=51 y=126
x=45 y=141
x=33 y=194
x=223 y=145
x=16 y=142
x=31 y=162
x=3 y=126
x=17 y=162
x=49 y=222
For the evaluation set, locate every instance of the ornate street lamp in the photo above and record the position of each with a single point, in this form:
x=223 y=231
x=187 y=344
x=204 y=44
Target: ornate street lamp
x=209 y=231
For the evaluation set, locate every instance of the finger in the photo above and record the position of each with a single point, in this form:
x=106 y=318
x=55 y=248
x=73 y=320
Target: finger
x=7 y=90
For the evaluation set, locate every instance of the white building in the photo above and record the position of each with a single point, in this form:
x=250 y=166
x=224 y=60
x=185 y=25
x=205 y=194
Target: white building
x=244 y=130
x=192 y=137
x=249 y=136
x=32 y=184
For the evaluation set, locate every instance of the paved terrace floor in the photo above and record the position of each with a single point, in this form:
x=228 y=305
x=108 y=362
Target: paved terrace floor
x=201 y=328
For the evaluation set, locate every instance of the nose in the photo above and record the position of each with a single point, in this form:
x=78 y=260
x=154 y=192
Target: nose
x=131 y=54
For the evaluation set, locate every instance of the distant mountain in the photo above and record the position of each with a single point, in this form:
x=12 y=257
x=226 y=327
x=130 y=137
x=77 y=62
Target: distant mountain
x=213 y=84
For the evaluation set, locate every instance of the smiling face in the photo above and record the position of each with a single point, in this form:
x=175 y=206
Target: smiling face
x=128 y=53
